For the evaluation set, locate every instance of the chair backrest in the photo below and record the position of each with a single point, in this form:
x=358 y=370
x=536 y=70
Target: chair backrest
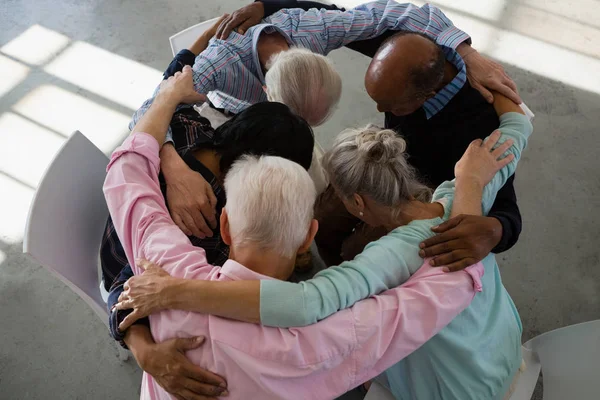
x=67 y=218
x=378 y=392
x=187 y=37
x=570 y=359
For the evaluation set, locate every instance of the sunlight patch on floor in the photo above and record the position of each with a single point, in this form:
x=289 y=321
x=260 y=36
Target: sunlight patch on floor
x=106 y=74
x=12 y=73
x=14 y=208
x=36 y=45
x=26 y=148
x=65 y=112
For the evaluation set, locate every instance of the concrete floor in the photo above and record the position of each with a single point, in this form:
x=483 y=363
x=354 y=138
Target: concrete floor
x=67 y=65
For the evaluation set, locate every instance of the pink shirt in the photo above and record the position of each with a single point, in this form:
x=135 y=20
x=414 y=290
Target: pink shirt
x=320 y=361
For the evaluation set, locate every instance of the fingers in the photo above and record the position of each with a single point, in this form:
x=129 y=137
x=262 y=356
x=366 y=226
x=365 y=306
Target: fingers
x=186 y=344
x=487 y=95
x=200 y=223
x=459 y=265
x=125 y=304
x=505 y=161
x=503 y=88
x=204 y=389
x=208 y=210
x=500 y=150
x=179 y=222
x=189 y=395
x=450 y=258
x=205 y=377
x=244 y=27
x=129 y=320
x=440 y=248
x=229 y=24
x=191 y=225
x=451 y=223
x=476 y=143
x=492 y=140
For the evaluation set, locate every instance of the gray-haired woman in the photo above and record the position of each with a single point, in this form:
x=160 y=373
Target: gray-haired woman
x=476 y=356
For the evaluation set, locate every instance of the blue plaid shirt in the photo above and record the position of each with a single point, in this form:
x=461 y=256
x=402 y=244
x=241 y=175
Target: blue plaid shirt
x=230 y=71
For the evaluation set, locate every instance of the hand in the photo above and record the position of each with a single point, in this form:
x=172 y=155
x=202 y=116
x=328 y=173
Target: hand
x=167 y=364
x=212 y=31
x=462 y=241
x=484 y=74
x=481 y=161
x=192 y=202
x=179 y=88
x=143 y=293
x=241 y=19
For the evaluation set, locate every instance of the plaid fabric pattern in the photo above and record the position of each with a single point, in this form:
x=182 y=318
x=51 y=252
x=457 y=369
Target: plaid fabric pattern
x=190 y=132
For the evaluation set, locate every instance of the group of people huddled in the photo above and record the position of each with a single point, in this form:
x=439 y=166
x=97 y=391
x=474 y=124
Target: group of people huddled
x=219 y=192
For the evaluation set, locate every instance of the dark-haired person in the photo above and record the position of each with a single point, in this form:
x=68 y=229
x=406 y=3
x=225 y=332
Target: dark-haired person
x=208 y=153
x=283 y=59
x=432 y=93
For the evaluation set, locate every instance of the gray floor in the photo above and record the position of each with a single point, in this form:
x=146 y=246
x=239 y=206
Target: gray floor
x=53 y=347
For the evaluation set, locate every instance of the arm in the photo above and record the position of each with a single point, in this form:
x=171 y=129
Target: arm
x=324 y=30
x=383 y=264
x=399 y=321
x=506 y=211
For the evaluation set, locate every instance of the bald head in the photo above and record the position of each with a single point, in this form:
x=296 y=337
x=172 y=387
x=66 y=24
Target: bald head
x=407 y=70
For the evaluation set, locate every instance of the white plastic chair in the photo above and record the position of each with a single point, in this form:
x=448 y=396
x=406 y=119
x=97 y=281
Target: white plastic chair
x=378 y=392
x=569 y=358
x=67 y=218
x=187 y=37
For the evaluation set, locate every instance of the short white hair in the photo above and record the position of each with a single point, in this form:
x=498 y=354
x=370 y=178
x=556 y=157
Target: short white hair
x=304 y=81
x=270 y=203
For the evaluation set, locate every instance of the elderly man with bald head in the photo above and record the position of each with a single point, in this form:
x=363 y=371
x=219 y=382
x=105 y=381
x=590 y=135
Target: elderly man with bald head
x=433 y=89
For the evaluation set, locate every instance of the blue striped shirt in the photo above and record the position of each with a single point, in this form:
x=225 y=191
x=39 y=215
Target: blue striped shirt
x=229 y=72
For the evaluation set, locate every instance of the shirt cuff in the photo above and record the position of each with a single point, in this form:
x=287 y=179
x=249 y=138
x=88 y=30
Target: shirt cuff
x=139 y=143
x=452 y=37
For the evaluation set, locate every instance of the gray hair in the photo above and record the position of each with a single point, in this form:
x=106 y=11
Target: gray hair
x=304 y=81
x=270 y=203
x=372 y=161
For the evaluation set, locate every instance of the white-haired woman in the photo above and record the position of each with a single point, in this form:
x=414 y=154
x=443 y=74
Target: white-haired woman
x=478 y=355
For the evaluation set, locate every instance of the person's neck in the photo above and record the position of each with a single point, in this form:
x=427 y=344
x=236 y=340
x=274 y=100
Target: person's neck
x=268 y=45
x=210 y=159
x=412 y=211
x=262 y=261
x=450 y=73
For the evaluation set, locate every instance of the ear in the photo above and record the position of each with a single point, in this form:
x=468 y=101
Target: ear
x=359 y=202
x=310 y=236
x=429 y=95
x=225 y=235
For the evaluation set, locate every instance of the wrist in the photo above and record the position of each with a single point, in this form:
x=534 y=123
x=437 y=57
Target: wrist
x=173 y=295
x=471 y=182
x=464 y=49
x=139 y=340
x=170 y=161
x=166 y=100
x=496 y=230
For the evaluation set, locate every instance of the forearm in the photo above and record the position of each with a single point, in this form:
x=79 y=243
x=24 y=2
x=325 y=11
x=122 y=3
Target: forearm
x=506 y=211
x=467 y=198
x=171 y=162
x=139 y=339
x=503 y=105
x=239 y=300
x=156 y=120
x=201 y=43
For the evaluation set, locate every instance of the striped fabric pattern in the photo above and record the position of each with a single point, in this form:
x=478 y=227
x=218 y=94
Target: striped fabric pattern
x=230 y=72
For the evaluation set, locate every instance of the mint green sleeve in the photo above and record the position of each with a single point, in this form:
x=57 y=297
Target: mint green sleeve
x=513 y=126
x=384 y=264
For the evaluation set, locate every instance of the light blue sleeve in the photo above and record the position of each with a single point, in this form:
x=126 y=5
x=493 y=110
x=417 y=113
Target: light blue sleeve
x=384 y=264
x=513 y=126
x=325 y=30
x=206 y=79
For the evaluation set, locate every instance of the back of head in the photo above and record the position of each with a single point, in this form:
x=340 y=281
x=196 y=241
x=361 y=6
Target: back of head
x=269 y=203
x=407 y=70
x=372 y=161
x=306 y=82
x=266 y=128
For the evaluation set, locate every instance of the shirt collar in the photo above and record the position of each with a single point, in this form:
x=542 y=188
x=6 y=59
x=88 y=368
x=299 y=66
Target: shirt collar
x=257 y=30
x=237 y=272
x=443 y=97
